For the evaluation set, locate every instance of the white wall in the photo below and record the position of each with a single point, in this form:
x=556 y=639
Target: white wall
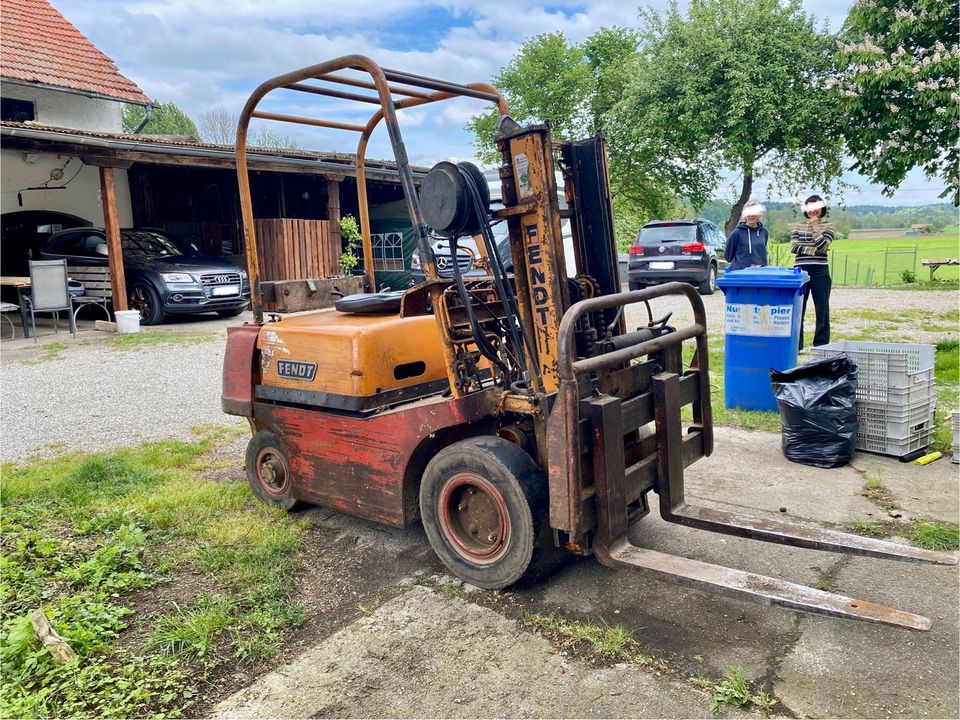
x=68 y=110
x=81 y=197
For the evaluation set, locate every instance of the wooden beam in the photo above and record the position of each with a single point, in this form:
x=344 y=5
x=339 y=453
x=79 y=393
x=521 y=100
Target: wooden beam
x=333 y=211
x=96 y=161
x=111 y=227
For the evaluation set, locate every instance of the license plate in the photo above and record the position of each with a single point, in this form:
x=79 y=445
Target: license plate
x=229 y=290
x=661 y=266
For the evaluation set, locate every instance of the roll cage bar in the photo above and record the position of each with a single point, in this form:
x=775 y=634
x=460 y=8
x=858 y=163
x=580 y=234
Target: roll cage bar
x=390 y=98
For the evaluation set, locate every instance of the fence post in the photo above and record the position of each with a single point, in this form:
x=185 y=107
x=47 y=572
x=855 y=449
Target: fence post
x=846 y=260
x=916 y=248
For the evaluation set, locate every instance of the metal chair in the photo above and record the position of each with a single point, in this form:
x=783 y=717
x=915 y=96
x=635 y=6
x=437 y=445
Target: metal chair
x=49 y=292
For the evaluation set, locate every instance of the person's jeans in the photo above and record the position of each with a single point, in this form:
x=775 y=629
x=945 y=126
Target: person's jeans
x=819 y=286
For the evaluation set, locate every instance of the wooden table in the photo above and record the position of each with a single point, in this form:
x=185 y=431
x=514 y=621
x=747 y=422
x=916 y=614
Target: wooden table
x=22 y=284
x=935 y=264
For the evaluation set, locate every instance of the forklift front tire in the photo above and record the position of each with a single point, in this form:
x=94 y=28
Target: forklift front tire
x=268 y=470
x=483 y=503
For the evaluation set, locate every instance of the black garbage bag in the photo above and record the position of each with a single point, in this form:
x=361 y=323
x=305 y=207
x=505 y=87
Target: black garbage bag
x=818 y=410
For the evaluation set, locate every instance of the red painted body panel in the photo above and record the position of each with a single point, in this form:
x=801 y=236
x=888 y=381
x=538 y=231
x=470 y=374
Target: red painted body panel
x=359 y=465
x=236 y=396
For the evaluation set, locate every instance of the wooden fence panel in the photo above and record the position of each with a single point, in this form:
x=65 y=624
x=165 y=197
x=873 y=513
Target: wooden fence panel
x=294 y=249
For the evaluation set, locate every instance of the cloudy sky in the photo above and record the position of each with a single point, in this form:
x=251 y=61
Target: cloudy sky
x=203 y=55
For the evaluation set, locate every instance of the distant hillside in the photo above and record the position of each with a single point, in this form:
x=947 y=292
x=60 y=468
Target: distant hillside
x=855 y=217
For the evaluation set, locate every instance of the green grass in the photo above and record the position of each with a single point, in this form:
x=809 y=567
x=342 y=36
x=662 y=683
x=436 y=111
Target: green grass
x=735 y=690
x=880 y=261
x=869 y=529
x=946 y=372
x=145 y=340
x=598 y=641
x=94 y=540
x=51 y=351
x=935 y=536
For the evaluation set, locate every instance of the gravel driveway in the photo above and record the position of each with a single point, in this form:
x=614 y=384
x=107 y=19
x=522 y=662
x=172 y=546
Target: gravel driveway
x=95 y=397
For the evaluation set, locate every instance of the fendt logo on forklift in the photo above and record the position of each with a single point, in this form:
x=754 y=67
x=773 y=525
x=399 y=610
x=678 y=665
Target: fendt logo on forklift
x=296 y=370
x=538 y=279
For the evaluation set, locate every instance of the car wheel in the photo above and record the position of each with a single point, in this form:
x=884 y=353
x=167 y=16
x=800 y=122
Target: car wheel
x=483 y=503
x=231 y=313
x=145 y=299
x=268 y=471
x=709 y=286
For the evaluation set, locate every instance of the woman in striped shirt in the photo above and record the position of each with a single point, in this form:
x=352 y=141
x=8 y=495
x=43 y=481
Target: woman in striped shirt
x=810 y=242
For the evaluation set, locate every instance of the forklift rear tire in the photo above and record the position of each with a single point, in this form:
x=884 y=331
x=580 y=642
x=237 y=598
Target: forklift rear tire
x=483 y=503
x=268 y=470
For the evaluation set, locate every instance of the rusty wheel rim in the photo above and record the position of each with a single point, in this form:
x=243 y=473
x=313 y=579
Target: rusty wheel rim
x=272 y=472
x=474 y=516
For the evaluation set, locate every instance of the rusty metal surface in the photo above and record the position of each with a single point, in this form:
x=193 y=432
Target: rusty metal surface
x=757 y=588
x=236 y=389
x=801 y=534
x=564 y=424
x=367 y=466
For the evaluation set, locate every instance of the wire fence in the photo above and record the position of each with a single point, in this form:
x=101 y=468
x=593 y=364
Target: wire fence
x=889 y=266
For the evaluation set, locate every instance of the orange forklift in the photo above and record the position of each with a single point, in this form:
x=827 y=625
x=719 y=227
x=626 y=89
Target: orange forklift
x=514 y=413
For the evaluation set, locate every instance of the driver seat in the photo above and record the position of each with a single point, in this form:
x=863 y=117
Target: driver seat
x=380 y=303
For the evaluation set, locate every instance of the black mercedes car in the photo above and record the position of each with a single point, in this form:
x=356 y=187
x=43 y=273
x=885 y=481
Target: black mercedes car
x=161 y=279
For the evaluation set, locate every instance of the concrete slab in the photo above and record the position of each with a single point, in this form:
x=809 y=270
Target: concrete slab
x=748 y=470
x=428 y=654
x=868 y=671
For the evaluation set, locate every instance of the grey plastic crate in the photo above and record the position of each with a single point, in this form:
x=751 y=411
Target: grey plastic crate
x=898 y=447
x=895 y=423
x=884 y=368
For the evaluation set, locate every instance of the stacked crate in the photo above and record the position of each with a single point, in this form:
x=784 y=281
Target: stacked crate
x=896 y=396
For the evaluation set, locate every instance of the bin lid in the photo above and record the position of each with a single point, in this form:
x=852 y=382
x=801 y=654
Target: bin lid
x=764 y=277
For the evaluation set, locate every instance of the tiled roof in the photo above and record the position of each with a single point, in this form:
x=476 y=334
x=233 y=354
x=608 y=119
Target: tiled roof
x=39 y=45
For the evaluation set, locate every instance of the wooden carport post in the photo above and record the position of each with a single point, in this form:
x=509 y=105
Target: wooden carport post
x=111 y=227
x=333 y=209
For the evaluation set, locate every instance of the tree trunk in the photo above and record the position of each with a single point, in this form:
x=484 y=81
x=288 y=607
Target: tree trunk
x=741 y=201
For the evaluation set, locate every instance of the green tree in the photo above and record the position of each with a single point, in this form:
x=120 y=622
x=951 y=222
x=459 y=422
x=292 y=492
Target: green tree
x=899 y=86
x=547 y=81
x=736 y=84
x=574 y=87
x=167 y=119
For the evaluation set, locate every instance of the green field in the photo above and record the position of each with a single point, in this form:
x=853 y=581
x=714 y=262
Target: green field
x=881 y=260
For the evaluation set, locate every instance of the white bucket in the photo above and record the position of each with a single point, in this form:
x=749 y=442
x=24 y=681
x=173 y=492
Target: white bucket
x=128 y=321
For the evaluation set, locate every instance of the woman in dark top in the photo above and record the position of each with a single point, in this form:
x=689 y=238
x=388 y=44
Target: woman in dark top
x=747 y=243
x=810 y=242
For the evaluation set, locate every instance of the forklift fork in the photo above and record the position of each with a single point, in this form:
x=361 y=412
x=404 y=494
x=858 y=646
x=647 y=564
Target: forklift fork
x=613 y=492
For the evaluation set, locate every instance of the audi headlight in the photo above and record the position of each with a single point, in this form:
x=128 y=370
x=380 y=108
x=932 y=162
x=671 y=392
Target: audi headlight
x=177 y=277
x=415 y=261
x=243 y=274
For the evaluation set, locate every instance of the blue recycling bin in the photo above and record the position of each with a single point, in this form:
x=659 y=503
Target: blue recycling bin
x=762 y=326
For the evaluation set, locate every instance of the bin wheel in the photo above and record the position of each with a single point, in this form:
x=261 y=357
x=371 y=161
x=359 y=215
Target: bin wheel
x=483 y=503
x=268 y=470
x=709 y=285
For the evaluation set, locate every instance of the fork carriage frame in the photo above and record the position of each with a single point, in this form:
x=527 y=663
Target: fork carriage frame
x=606 y=429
